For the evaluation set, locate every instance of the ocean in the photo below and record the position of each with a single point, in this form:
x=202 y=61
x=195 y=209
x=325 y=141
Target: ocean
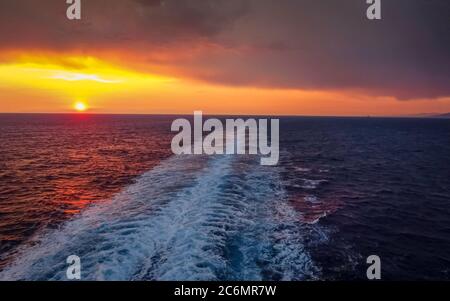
x=108 y=189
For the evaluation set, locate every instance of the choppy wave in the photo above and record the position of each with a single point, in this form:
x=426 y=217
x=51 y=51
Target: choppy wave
x=190 y=218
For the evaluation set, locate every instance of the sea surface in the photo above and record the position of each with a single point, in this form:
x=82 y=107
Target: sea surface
x=108 y=189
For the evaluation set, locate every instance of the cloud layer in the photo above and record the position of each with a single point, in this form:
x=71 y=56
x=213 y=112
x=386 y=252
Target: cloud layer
x=294 y=44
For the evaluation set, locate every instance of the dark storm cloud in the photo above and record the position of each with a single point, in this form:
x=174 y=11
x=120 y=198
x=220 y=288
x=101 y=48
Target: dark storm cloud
x=305 y=44
x=150 y=2
x=105 y=23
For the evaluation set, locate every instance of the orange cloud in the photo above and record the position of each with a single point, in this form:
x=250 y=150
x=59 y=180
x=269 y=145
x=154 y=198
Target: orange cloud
x=52 y=83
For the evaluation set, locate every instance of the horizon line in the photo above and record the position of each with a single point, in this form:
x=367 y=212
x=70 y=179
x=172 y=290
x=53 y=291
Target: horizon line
x=425 y=115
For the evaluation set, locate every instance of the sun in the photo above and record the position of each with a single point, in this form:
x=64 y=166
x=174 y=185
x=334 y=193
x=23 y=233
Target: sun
x=80 y=106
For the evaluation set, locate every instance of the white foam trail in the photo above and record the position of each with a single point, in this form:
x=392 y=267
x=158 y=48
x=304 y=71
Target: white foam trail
x=312 y=184
x=191 y=218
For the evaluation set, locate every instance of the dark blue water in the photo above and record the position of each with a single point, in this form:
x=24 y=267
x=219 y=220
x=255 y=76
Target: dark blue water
x=390 y=180
x=107 y=189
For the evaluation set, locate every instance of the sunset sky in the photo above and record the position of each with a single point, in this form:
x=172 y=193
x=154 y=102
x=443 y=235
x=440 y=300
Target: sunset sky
x=284 y=57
